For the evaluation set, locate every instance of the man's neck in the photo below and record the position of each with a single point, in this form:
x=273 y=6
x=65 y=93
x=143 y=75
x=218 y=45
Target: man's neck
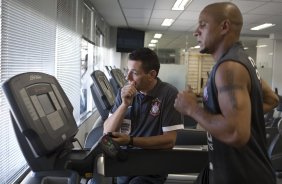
x=150 y=87
x=222 y=49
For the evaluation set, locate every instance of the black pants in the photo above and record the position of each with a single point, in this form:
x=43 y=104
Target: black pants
x=151 y=179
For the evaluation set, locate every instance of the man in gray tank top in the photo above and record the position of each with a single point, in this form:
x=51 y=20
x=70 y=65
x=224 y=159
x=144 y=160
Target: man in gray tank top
x=235 y=99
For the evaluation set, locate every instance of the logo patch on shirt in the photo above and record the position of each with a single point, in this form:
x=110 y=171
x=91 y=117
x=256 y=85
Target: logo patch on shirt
x=155 y=110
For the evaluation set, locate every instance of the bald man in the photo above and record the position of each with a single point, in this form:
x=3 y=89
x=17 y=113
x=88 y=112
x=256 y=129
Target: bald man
x=235 y=100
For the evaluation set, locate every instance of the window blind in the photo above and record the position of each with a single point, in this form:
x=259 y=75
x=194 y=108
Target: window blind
x=68 y=52
x=42 y=36
x=28 y=40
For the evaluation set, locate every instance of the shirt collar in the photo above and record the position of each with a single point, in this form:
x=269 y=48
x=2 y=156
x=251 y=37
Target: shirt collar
x=153 y=92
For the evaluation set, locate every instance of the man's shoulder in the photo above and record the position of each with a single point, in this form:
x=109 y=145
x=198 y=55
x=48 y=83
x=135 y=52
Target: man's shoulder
x=168 y=86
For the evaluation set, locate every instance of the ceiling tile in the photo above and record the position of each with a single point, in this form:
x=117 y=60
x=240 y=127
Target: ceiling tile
x=253 y=19
x=137 y=13
x=179 y=28
x=137 y=21
x=164 y=5
x=189 y=15
x=156 y=22
x=136 y=4
x=246 y=6
x=269 y=8
x=198 y=5
x=156 y=27
x=149 y=14
x=187 y=23
x=165 y=14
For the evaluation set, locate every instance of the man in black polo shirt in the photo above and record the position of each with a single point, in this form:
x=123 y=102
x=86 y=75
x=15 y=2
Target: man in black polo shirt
x=143 y=115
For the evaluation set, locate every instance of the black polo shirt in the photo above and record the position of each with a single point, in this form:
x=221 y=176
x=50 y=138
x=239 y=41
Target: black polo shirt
x=152 y=114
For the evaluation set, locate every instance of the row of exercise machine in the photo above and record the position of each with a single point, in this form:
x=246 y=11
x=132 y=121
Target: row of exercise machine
x=273 y=123
x=42 y=117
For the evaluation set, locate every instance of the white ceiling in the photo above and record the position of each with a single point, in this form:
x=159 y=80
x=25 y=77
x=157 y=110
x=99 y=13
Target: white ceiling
x=148 y=15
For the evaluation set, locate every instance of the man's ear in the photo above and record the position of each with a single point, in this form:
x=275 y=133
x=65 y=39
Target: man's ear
x=153 y=73
x=225 y=26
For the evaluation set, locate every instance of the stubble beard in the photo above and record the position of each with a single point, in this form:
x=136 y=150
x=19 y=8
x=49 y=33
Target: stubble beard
x=204 y=51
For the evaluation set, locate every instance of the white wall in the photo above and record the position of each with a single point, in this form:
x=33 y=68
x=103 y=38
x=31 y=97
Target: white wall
x=265 y=59
x=269 y=61
x=277 y=66
x=112 y=57
x=124 y=59
x=174 y=74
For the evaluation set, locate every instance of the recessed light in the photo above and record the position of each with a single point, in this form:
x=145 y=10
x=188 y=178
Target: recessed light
x=167 y=22
x=180 y=4
x=152 y=45
x=154 y=41
x=158 y=35
x=263 y=26
x=261 y=46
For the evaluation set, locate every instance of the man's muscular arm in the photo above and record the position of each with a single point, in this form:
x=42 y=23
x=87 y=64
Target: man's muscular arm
x=232 y=125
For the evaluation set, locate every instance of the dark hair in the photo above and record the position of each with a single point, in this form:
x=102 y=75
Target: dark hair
x=147 y=57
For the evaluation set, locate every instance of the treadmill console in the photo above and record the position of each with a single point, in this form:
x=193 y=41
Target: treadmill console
x=42 y=111
x=111 y=148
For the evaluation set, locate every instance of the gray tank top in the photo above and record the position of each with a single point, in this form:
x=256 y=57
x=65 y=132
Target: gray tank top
x=249 y=164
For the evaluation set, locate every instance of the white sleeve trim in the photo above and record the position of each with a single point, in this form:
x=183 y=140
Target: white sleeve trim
x=174 y=127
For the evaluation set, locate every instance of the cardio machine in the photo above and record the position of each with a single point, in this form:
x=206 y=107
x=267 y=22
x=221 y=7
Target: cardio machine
x=103 y=93
x=45 y=128
x=274 y=142
x=104 y=98
x=117 y=78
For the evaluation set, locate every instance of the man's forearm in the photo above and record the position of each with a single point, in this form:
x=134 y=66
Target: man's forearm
x=165 y=141
x=113 y=123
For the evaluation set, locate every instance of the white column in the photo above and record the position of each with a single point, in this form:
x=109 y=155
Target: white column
x=277 y=62
x=265 y=58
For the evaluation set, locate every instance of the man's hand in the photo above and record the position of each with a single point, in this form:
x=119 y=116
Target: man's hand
x=127 y=93
x=120 y=138
x=185 y=102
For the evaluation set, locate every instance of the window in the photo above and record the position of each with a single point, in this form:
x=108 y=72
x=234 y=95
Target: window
x=22 y=25
x=44 y=36
x=41 y=36
x=86 y=100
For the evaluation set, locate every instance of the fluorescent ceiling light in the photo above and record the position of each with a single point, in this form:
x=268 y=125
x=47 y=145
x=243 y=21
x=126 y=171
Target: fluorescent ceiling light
x=158 y=35
x=151 y=45
x=263 y=26
x=167 y=22
x=180 y=4
x=261 y=46
x=154 y=41
x=195 y=47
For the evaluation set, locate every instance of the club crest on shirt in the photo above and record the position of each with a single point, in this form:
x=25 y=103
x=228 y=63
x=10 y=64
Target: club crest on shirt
x=155 y=110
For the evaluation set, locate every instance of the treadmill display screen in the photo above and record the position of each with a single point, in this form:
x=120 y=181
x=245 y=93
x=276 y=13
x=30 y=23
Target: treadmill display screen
x=46 y=103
